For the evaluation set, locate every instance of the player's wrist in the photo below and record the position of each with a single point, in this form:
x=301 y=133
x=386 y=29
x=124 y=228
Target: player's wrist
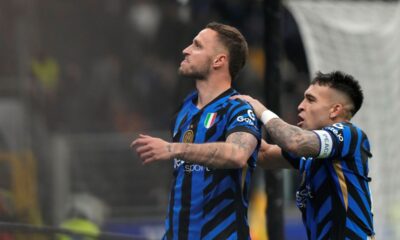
x=174 y=150
x=258 y=110
x=178 y=150
x=267 y=116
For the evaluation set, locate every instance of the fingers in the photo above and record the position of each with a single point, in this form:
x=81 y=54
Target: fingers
x=243 y=97
x=151 y=149
x=143 y=149
x=144 y=136
x=258 y=107
x=147 y=157
x=146 y=147
x=140 y=144
x=141 y=140
x=134 y=143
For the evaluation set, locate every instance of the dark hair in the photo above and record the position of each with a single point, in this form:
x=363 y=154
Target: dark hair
x=236 y=44
x=344 y=83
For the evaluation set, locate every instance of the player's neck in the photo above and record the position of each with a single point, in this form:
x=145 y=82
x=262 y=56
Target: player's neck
x=339 y=119
x=208 y=90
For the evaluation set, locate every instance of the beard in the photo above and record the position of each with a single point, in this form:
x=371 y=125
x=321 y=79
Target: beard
x=195 y=72
x=197 y=75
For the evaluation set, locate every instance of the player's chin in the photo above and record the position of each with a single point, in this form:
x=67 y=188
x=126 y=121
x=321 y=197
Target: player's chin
x=182 y=71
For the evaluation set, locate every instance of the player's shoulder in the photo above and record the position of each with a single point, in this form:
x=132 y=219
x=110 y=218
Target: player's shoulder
x=342 y=129
x=343 y=126
x=239 y=107
x=238 y=103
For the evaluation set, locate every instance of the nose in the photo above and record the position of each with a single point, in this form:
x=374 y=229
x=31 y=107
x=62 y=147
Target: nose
x=300 y=108
x=186 y=51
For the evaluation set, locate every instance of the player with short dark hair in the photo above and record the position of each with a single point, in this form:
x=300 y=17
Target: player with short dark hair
x=331 y=155
x=215 y=143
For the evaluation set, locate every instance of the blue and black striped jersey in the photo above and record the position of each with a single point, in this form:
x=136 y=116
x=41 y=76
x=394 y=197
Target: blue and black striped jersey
x=334 y=196
x=208 y=203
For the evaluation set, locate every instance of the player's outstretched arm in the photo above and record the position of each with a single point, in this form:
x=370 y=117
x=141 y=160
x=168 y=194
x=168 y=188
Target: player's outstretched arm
x=293 y=139
x=288 y=137
x=233 y=153
x=151 y=149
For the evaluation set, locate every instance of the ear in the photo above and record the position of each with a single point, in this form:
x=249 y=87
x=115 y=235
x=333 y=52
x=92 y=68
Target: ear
x=220 y=60
x=336 y=110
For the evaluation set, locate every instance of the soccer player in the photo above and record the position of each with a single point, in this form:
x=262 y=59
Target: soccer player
x=215 y=142
x=331 y=155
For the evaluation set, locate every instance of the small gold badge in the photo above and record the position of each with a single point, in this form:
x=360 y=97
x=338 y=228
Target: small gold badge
x=188 y=136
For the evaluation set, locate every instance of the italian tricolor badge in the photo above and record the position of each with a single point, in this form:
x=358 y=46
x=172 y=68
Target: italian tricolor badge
x=210 y=119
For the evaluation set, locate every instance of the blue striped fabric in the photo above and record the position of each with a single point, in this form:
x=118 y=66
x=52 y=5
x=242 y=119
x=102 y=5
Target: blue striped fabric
x=210 y=203
x=334 y=196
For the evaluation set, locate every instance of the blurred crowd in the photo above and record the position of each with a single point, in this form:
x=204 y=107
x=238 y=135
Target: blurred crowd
x=101 y=66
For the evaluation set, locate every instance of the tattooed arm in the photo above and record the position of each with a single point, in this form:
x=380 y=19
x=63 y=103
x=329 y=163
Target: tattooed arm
x=293 y=139
x=233 y=153
x=288 y=137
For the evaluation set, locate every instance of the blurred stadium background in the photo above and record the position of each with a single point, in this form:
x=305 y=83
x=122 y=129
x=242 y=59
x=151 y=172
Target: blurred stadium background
x=79 y=79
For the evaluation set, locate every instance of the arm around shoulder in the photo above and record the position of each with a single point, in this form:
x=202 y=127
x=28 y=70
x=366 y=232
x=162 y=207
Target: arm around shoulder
x=293 y=139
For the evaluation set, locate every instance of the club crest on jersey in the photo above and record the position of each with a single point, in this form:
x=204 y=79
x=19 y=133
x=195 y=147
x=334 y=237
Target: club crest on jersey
x=188 y=136
x=210 y=119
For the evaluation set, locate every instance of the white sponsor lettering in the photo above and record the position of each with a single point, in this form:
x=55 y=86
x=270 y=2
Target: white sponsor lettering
x=338 y=125
x=245 y=119
x=195 y=168
x=336 y=132
x=251 y=114
x=178 y=163
x=189 y=167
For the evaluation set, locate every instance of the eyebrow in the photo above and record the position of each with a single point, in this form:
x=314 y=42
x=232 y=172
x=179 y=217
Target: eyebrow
x=197 y=42
x=309 y=96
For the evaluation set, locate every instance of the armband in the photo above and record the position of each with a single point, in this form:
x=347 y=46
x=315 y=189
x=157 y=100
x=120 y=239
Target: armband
x=326 y=143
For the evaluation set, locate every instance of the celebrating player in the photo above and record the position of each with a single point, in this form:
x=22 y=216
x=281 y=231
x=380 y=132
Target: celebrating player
x=215 y=142
x=331 y=154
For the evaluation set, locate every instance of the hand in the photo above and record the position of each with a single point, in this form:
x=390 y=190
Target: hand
x=258 y=107
x=152 y=149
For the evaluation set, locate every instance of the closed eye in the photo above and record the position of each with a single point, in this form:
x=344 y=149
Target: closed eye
x=197 y=44
x=310 y=98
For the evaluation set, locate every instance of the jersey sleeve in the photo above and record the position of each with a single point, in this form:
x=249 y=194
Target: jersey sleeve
x=241 y=118
x=336 y=140
x=293 y=160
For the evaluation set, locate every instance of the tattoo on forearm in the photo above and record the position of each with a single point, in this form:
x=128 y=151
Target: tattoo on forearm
x=286 y=135
x=244 y=142
x=217 y=155
x=211 y=155
x=182 y=155
x=169 y=148
x=240 y=140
